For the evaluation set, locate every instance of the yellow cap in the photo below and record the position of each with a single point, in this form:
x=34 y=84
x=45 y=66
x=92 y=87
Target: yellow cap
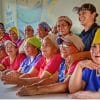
x=96 y=39
x=14 y=29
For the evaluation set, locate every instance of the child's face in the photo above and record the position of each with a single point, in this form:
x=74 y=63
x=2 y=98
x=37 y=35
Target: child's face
x=48 y=48
x=95 y=53
x=63 y=27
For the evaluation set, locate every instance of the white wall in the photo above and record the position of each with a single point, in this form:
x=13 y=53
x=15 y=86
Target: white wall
x=0 y=10
x=50 y=11
x=9 y=13
x=64 y=7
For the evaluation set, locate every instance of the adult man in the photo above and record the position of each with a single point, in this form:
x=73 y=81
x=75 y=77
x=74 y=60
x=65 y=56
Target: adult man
x=87 y=17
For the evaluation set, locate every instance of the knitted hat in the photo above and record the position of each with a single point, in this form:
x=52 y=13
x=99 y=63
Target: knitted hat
x=34 y=41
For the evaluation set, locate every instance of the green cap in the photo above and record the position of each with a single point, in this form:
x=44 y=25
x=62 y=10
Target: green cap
x=34 y=41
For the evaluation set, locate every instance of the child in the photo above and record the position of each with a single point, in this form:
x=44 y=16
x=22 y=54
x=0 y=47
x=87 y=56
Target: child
x=86 y=77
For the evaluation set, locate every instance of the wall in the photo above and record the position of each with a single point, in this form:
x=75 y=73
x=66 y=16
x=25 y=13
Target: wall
x=34 y=11
x=0 y=10
x=9 y=13
x=64 y=7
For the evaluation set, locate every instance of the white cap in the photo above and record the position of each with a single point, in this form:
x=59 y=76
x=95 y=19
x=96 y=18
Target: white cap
x=65 y=18
x=9 y=41
x=76 y=40
x=53 y=38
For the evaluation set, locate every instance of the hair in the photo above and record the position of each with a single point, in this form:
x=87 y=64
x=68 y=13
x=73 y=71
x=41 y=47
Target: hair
x=86 y=6
x=2 y=26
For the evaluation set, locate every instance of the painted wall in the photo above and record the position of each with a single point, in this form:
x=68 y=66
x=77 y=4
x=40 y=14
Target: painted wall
x=23 y=12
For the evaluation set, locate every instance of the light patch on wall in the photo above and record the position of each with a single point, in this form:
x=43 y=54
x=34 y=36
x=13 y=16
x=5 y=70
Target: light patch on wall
x=33 y=12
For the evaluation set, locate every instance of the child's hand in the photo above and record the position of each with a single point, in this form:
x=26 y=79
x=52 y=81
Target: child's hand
x=87 y=64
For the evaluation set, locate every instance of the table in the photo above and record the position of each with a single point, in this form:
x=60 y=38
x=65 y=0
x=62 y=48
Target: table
x=9 y=92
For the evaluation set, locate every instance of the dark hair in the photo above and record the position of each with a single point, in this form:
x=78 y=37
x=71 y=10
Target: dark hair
x=45 y=26
x=2 y=26
x=86 y=6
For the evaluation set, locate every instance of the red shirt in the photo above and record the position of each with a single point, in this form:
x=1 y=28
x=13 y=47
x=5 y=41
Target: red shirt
x=72 y=68
x=52 y=66
x=16 y=63
x=4 y=38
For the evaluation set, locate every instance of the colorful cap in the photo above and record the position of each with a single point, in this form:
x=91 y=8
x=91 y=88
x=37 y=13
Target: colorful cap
x=65 y=18
x=74 y=39
x=14 y=29
x=53 y=38
x=34 y=41
x=96 y=39
x=11 y=42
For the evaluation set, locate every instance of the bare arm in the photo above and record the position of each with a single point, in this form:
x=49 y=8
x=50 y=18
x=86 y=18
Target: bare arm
x=47 y=81
x=78 y=56
x=32 y=73
x=2 y=67
x=45 y=89
x=76 y=83
x=31 y=78
x=53 y=88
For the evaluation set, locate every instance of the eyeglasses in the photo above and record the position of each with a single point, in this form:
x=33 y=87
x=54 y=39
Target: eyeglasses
x=62 y=43
x=65 y=45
